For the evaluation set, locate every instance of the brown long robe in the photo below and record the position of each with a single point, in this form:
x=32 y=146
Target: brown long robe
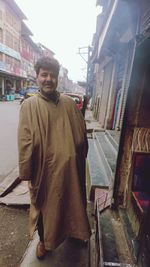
x=52 y=150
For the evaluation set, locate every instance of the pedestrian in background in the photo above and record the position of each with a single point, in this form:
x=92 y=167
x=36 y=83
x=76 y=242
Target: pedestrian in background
x=52 y=151
x=85 y=102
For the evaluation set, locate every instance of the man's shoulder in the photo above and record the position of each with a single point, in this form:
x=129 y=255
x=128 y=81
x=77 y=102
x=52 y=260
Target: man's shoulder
x=67 y=99
x=70 y=105
x=30 y=101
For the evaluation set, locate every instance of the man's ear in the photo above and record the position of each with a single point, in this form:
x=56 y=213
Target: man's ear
x=56 y=78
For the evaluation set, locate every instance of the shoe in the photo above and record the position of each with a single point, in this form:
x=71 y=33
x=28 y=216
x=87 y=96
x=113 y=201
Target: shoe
x=40 y=250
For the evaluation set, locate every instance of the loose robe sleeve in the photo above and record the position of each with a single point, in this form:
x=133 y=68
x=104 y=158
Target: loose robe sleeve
x=24 y=144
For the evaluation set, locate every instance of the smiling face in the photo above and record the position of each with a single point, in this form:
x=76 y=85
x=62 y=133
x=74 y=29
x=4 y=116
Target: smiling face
x=47 y=81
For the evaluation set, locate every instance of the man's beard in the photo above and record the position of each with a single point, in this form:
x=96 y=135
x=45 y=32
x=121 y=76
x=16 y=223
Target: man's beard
x=51 y=95
x=50 y=90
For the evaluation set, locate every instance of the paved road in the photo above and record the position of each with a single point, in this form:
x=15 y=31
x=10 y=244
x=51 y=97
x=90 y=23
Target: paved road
x=9 y=113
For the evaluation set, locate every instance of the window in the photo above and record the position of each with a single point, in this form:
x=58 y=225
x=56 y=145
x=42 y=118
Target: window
x=9 y=39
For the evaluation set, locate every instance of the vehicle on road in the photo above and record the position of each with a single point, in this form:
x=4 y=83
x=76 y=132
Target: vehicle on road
x=77 y=98
x=30 y=91
x=22 y=91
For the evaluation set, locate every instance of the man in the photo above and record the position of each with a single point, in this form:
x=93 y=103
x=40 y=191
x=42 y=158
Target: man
x=52 y=150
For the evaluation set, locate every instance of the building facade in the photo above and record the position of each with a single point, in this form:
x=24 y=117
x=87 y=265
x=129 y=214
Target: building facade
x=10 y=58
x=121 y=96
x=111 y=61
x=132 y=179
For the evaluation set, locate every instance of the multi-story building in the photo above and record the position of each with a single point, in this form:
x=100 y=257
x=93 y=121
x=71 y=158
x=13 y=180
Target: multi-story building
x=10 y=59
x=64 y=84
x=111 y=61
x=45 y=51
x=18 y=52
x=30 y=52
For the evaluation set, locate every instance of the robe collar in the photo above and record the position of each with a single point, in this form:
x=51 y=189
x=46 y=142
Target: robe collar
x=54 y=97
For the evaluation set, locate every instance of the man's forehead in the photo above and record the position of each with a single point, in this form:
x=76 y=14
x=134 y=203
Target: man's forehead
x=47 y=70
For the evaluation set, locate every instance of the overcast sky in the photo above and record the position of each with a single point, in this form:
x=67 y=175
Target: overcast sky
x=63 y=26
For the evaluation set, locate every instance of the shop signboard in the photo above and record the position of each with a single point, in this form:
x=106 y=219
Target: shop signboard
x=2 y=66
x=9 y=51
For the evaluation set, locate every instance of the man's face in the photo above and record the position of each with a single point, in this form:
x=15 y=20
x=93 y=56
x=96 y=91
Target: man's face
x=47 y=81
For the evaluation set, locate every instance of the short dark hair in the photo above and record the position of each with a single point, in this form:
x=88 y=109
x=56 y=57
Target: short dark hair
x=47 y=63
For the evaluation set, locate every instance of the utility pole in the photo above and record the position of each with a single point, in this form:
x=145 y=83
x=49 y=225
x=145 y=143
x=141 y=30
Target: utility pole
x=84 y=52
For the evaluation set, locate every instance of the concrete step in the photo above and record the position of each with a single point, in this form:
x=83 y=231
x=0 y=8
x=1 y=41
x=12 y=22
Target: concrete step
x=9 y=182
x=98 y=176
x=102 y=157
x=108 y=153
x=114 y=138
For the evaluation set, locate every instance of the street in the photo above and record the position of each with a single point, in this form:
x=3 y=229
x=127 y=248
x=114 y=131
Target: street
x=9 y=112
x=13 y=220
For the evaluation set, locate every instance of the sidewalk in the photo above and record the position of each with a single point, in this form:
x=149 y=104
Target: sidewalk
x=66 y=255
x=91 y=123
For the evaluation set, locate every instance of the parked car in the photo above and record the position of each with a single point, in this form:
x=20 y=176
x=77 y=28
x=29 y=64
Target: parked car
x=17 y=96
x=30 y=91
x=77 y=98
x=22 y=91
